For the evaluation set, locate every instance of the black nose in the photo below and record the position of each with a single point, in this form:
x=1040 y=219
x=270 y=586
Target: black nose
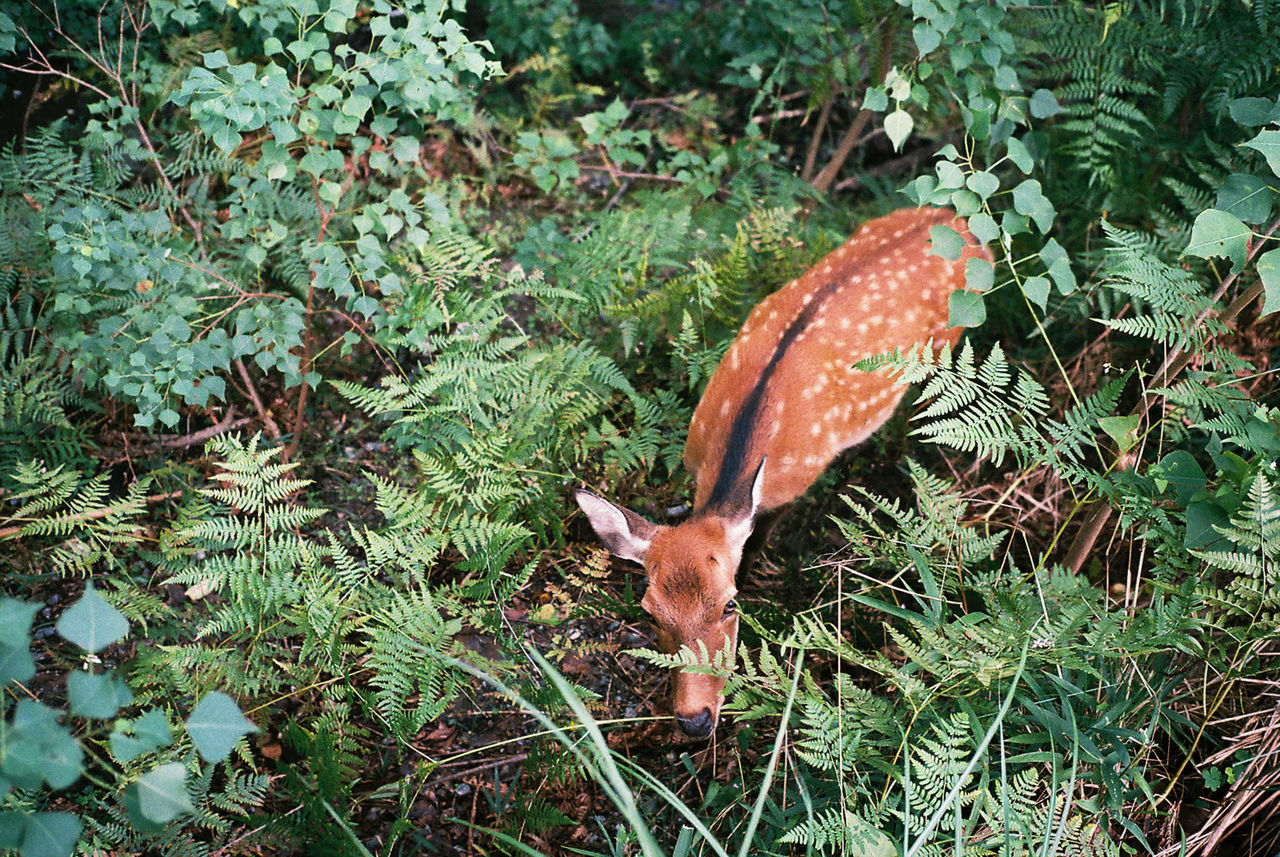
x=698 y=726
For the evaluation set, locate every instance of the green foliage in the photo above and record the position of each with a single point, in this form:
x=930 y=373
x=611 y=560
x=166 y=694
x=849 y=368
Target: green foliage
x=38 y=752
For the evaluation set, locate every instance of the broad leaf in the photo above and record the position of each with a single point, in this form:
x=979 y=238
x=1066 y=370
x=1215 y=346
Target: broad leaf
x=162 y=793
x=1217 y=233
x=966 y=309
x=1269 y=273
x=216 y=725
x=96 y=695
x=50 y=834
x=91 y=623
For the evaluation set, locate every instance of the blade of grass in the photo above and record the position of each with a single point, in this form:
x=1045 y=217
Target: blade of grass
x=758 y=809
x=923 y=838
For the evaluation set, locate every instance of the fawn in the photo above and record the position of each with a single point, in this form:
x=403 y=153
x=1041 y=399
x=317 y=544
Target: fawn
x=783 y=403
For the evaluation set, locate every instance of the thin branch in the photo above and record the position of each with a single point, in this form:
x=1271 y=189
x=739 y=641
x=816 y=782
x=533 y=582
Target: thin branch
x=1178 y=359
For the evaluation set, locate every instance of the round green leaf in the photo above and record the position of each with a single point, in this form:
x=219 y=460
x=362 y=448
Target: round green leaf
x=1037 y=291
x=1180 y=471
x=50 y=834
x=983 y=183
x=1268 y=143
x=979 y=275
x=984 y=228
x=1020 y=155
x=1216 y=233
x=966 y=309
x=1247 y=197
x=96 y=695
x=947 y=243
x=1269 y=273
x=91 y=623
x=15 y=622
x=216 y=725
x=897 y=125
x=1030 y=200
x=1251 y=112
x=926 y=37
x=1043 y=104
x=162 y=793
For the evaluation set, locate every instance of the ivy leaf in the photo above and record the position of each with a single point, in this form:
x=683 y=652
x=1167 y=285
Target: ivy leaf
x=1251 y=112
x=1269 y=273
x=1216 y=233
x=162 y=793
x=966 y=309
x=96 y=695
x=898 y=125
x=1180 y=471
x=16 y=663
x=50 y=834
x=216 y=725
x=1268 y=143
x=1020 y=155
x=1202 y=516
x=947 y=243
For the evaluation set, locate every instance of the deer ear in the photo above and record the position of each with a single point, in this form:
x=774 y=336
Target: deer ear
x=740 y=509
x=623 y=532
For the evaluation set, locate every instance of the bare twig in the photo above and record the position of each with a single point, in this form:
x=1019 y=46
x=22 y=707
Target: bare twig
x=273 y=430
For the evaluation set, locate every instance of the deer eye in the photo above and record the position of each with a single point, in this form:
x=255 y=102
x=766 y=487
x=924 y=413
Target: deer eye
x=731 y=607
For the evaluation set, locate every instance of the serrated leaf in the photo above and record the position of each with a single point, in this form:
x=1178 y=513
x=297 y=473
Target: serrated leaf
x=947 y=243
x=96 y=695
x=1216 y=233
x=966 y=309
x=91 y=623
x=1269 y=273
x=216 y=725
x=50 y=834
x=898 y=125
x=162 y=793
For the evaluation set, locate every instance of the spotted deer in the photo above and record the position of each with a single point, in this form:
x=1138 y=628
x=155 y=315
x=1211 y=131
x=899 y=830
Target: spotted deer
x=783 y=403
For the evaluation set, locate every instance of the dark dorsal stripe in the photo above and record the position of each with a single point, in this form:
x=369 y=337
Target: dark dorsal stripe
x=738 y=463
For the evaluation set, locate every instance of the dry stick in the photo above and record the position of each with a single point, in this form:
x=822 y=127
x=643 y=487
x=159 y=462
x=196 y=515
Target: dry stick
x=92 y=514
x=304 y=365
x=823 y=181
x=1096 y=517
x=273 y=430
x=183 y=441
x=811 y=156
